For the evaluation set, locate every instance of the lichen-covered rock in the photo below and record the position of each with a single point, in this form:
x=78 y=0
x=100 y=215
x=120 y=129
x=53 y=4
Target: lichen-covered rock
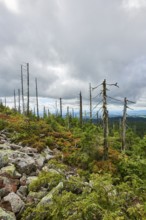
x=25 y=165
x=37 y=195
x=6 y=215
x=15 y=147
x=48 y=198
x=31 y=179
x=8 y=170
x=40 y=160
x=22 y=190
x=4 y=160
x=16 y=203
x=10 y=184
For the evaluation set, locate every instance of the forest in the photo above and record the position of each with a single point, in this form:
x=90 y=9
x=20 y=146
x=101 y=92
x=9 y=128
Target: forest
x=76 y=180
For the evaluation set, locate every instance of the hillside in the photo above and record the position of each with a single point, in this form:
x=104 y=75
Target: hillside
x=53 y=169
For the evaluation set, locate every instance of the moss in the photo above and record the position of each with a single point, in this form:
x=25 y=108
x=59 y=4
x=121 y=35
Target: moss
x=10 y=170
x=47 y=180
x=6 y=215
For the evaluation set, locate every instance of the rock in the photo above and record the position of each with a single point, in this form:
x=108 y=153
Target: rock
x=25 y=165
x=30 y=179
x=48 y=157
x=10 y=170
x=4 y=160
x=48 y=198
x=23 y=180
x=16 y=203
x=40 y=160
x=28 y=150
x=1 y=143
x=5 y=146
x=15 y=147
x=6 y=215
x=47 y=169
x=3 y=192
x=22 y=190
x=36 y=196
x=12 y=186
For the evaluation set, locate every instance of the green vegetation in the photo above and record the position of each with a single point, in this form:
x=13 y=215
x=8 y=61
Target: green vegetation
x=114 y=189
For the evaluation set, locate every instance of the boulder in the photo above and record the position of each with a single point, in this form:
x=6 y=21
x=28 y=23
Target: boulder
x=48 y=198
x=40 y=160
x=25 y=165
x=6 y=215
x=16 y=203
x=4 y=160
x=15 y=147
x=22 y=191
x=8 y=170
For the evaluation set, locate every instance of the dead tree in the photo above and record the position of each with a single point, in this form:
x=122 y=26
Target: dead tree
x=37 y=102
x=68 y=118
x=19 y=108
x=15 y=107
x=5 y=102
x=81 y=110
x=27 y=89
x=126 y=101
x=105 y=116
x=56 y=108
x=61 y=107
x=105 y=121
x=90 y=96
x=73 y=114
x=124 y=125
x=22 y=90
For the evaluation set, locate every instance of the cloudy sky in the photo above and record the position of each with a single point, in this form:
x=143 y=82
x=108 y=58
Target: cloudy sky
x=69 y=43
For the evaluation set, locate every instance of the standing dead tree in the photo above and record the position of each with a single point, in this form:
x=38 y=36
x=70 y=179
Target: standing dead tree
x=90 y=96
x=37 y=102
x=105 y=117
x=22 y=90
x=15 y=107
x=61 y=107
x=105 y=120
x=126 y=101
x=81 y=110
x=27 y=89
x=19 y=108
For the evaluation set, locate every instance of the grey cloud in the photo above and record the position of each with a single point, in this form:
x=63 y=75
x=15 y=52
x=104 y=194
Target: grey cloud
x=93 y=40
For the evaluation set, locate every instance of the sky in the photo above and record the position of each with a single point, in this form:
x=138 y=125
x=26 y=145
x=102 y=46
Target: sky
x=69 y=44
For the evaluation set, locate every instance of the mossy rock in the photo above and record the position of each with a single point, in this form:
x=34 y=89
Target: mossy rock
x=10 y=170
x=6 y=215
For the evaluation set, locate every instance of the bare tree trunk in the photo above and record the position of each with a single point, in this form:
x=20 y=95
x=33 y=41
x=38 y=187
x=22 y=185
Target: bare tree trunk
x=73 y=115
x=19 y=108
x=81 y=111
x=15 y=107
x=90 y=94
x=61 y=107
x=5 y=102
x=105 y=122
x=37 y=103
x=22 y=90
x=27 y=89
x=56 y=107
x=124 y=125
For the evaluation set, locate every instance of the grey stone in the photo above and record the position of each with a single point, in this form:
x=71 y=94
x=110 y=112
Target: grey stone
x=10 y=170
x=16 y=203
x=23 y=190
x=40 y=160
x=48 y=198
x=4 y=160
x=15 y=147
x=25 y=165
x=6 y=215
